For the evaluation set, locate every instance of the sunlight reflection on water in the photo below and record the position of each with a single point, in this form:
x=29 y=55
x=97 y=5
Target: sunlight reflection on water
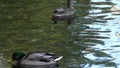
x=110 y=50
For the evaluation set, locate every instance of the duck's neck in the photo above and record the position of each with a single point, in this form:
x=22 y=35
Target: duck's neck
x=70 y=4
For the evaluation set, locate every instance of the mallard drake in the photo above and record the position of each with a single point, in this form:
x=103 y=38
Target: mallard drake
x=35 y=60
x=64 y=13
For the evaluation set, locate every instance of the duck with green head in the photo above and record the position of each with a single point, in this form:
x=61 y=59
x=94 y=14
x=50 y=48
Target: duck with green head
x=35 y=60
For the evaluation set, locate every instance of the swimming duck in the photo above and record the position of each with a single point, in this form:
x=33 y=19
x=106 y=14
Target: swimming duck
x=35 y=60
x=64 y=13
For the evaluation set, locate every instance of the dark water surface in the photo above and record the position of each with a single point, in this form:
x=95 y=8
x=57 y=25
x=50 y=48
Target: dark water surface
x=92 y=41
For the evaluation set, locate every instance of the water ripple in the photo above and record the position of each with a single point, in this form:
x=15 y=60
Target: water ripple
x=102 y=34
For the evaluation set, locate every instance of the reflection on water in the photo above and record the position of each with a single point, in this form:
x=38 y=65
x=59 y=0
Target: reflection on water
x=93 y=41
x=101 y=35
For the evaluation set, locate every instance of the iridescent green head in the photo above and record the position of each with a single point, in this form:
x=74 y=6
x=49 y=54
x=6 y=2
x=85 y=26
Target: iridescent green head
x=18 y=55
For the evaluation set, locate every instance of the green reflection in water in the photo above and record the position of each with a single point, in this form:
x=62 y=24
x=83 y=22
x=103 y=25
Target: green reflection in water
x=25 y=25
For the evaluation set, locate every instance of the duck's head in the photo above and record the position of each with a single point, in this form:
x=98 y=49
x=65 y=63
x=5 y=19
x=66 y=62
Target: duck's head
x=18 y=55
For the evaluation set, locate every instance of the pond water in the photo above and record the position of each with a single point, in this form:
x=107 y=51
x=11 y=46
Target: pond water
x=92 y=41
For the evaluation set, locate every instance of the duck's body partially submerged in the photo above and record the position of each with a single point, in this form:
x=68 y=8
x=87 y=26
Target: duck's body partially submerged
x=64 y=13
x=36 y=60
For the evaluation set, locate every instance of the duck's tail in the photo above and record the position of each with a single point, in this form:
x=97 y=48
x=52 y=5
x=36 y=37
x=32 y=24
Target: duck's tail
x=58 y=58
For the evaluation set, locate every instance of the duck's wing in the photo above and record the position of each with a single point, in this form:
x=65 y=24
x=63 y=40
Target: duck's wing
x=58 y=58
x=53 y=57
x=60 y=10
